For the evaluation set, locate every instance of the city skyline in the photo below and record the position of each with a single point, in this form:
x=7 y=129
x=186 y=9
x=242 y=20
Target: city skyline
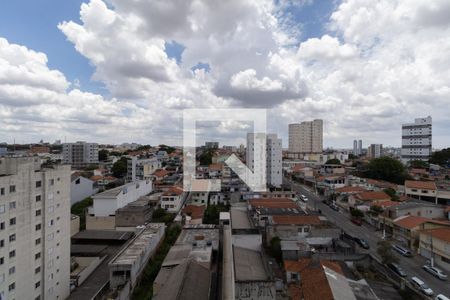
x=109 y=71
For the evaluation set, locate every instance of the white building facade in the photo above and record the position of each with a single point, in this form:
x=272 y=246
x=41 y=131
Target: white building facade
x=81 y=188
x=140 y=169
x=417 y=140
x=306 y=137
x=274 y=163
x=34 y=230
x=80 y=154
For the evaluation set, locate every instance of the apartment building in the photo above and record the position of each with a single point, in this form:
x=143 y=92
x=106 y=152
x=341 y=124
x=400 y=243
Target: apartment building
x=34 y=230
x=375 y=150
x=273 y=158
x=417 y=140
x=140 y=169
x=306 y=137
x=80 y=154
x=172 y=199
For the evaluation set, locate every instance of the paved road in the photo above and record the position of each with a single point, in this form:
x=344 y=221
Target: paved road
x=412 y=266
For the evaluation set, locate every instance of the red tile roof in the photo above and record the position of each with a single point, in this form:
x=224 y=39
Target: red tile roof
x=173 y=191
x=386 y=203
x=215 y=167
x=350 y=189
x=439 y=233
x=295 y=220
x=410 y=222
x=273 y=203
x=369 y=196
x=194 y=211
x=160 y=173
x=425 y=185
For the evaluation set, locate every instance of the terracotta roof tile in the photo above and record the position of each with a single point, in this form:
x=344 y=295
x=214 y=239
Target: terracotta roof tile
x=160 y=173
x=215 y=167
x=174 y=190
x=295 y=220
x=273 y=203
x=410 y=222
x=368 y=196
x=439 y=233
x=194 y=211
x=350 y=189
x=415 y=184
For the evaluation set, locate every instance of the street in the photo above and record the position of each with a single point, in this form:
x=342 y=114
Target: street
x=412 y=266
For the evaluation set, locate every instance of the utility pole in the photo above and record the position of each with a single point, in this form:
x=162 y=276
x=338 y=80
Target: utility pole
x=431 y=249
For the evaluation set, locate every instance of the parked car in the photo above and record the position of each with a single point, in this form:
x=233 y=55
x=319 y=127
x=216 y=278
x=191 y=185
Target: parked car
x=397 y=269
x=362 y=243
x=356 y=221
x=304 y=198
x=403 y=251
x=435 y=271
x=441 y=297
x=418 y=283
x=334 y=207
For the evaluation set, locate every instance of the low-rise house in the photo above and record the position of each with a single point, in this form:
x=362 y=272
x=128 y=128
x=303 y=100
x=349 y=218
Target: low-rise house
x=261 y=209
x=332 y=169
x=135 y=213
x=422 y=190
x=363 y=200
x=215 y=170
x=436 y=243
x=194 y=214
x=160 y=174
x=81 y=188
x=172 y=199
x=101 y=180
x=292 y=227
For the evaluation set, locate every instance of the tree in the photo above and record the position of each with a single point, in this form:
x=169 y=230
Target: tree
x=166 y=148
x=119 y=168
x=333 y=161
x=275 y=249
x=103 y=155
x=212 y=213
x=356 y=213
x=384 y=250
x=80 y=208
x=418 y=164
x=375 y=210
x=206 y=157
x=441 y=158
x=386 y=168
x=352 y=156
x=392 y=193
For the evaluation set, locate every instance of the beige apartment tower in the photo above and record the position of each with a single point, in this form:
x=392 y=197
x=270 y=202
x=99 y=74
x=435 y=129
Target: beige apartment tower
x=34 y=230
x=306 y=137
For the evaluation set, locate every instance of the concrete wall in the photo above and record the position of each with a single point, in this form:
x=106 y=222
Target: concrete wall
x=261 y=290
x=95 y=223
x=74 y=225
x=80 y=189
x=86 y=265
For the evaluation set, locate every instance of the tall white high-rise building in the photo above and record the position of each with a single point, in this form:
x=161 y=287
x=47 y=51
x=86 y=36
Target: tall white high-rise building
x=355 y=147
x=273 y=158
x=306 y=137
x=34 y=230
x=80 y=154
x=375 y=150
x=417 y=140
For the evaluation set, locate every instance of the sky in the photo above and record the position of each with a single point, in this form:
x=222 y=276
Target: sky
x=114 y=71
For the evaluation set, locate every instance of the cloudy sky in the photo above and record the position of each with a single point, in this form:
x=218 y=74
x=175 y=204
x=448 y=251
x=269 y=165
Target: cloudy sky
x=120 y=71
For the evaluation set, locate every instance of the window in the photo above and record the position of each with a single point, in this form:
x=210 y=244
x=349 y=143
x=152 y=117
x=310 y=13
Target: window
x=12 y=237
x=38 y=297
x=38 y=184
x=2 y=225
x=77 y=181
x=50 y=223
x=52 y=181
x=12 y=221
x=12 y=253
x=37 y=284
x=12 y=188
x=37 y=241
x=2 y=191
x=2 y=243
x=37 y=255
x=12 y=286
x=38 y=198
x=2 y=208
x=2 y=260
x=37 y=270
x=12 y=270
x=38 y=227
x=38 y=212
x=12 y=205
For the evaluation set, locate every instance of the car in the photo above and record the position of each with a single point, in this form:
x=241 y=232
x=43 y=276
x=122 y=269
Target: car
x=397 y=269
x=418 y=283
x=334 y=207
x=356 y=221
x=403 y=251
x=435 y=271
x=304 y=198
x=362 y=243
x=441 y=297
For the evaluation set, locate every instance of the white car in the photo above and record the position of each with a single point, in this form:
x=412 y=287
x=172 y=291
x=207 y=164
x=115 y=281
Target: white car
x=304 y=198
x=418 y=283
x=441 y=297
x=435 y=271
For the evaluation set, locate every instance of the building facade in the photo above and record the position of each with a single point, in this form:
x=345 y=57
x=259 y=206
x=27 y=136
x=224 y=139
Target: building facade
x=273 y=158
x=34 y=230
x=375 y=150
x=306 y=137
x=140 y=169
x=80 y=154
x=417 y=140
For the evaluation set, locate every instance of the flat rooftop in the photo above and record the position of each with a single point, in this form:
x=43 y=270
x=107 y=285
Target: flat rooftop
x=103 y=235
x=137 y=246
x=239 y=218
x=249 y=265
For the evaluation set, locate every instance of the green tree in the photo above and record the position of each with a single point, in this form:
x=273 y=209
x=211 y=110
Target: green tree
x=80 y=209
x=159 y=215
x=386 y=168
x=333 y=161
x=384 y=250
x=119 y=168
x=375 y=210
x=103 y=155
x=356 y=213
x=212 y=213
x=166 y=148
x=206 y=157
x=441 y=158
x=352 y=156
x=392 y=193
x=275 y=249
x=418 y=164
